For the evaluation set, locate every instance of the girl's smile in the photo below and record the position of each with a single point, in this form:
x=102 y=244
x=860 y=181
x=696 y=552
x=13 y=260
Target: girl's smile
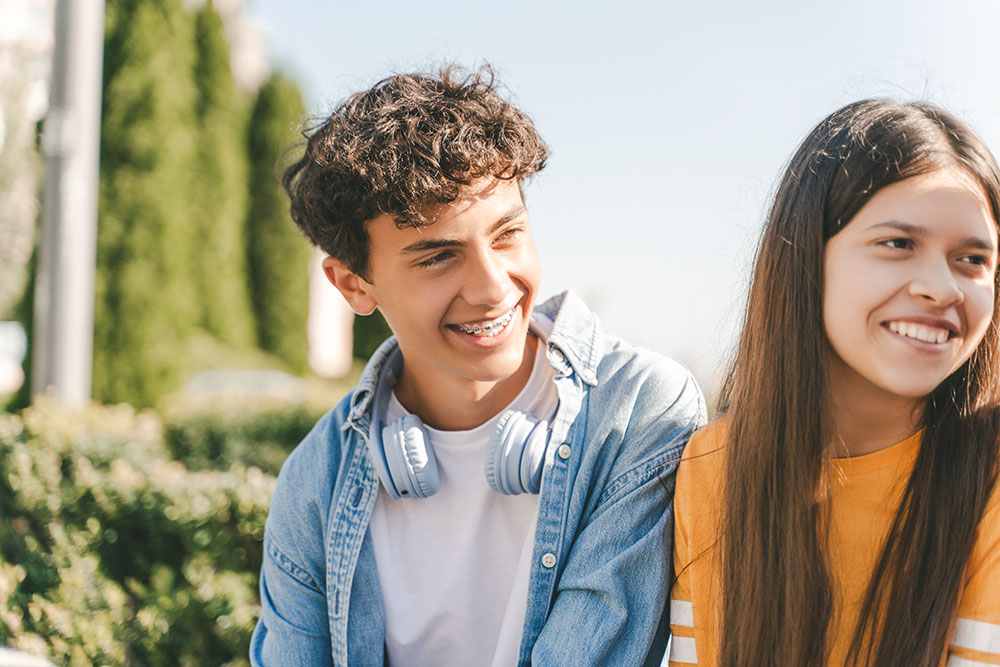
x=926 y=333
x=909 y=286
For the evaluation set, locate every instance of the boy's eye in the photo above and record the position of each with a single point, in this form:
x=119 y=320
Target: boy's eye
x=435 y=260
x=508 y=234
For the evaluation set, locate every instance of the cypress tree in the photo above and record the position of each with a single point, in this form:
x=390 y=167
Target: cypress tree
x=147 y=297
x=218 y=188
x=278 y=255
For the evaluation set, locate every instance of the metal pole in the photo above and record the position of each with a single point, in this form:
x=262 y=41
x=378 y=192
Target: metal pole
x=64 y=297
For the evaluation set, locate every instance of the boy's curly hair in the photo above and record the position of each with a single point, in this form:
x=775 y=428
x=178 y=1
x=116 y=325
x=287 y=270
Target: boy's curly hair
x=410 y=142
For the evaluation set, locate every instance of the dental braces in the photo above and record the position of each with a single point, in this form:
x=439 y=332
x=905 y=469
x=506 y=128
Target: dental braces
x=497 y=324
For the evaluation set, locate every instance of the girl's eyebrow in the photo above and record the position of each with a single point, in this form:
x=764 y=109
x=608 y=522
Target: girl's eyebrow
x=918 y=230
x=907 y=227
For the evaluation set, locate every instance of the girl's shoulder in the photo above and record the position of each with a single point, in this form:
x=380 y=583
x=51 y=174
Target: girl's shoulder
x=708 y=441
x=992 y=513
x=701 y=473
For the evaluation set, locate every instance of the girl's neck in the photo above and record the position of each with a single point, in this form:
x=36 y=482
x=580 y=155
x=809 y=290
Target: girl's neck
x=865 y=418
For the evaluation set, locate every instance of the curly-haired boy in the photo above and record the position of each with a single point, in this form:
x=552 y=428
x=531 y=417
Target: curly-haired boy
x=496 y=489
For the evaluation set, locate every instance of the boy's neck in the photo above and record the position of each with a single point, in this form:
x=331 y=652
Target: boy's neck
x=455 y=405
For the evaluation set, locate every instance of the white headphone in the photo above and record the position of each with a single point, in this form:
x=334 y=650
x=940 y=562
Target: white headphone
x=404 y=458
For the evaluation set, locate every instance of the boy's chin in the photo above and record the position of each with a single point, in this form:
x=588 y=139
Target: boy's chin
x=501 y=365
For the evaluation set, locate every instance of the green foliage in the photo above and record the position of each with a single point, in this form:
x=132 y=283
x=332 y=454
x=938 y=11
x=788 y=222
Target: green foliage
x=369 y=332
x=112 y=554
x=194 y=237
x=218 y=188
x=219 y=439
x=278 y=255
x=147 y=296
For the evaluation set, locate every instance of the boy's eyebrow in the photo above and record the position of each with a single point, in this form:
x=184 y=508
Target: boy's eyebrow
x=969 y=242
x=434 y=244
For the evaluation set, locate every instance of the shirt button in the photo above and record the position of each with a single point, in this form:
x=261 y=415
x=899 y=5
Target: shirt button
x=549 y=560
x=558 y=354
x=564 y=451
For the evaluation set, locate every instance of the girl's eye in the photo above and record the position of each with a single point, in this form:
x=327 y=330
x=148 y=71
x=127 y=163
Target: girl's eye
x=978 y=260
x=897 y=243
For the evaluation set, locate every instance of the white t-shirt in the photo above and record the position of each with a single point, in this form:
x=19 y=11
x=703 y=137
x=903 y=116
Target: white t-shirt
x=454 y=567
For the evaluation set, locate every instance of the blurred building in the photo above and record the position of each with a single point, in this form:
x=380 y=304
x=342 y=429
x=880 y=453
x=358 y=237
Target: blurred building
x=331 y=322
x=25 y=63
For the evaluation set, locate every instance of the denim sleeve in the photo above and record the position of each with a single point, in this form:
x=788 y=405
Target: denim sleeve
x=610 y=605
x=294 y=627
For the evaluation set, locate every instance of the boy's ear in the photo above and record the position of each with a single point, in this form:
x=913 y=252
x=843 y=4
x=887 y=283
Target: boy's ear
x=356 y=290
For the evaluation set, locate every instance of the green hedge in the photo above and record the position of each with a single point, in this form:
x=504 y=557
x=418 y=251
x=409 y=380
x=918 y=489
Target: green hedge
x=219 y=440
x=113 y=554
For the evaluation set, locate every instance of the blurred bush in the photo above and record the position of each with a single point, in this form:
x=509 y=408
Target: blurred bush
x=217 y=440
x=370 y=331
x=113 y=554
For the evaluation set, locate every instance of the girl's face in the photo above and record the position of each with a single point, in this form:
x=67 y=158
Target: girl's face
x=908 y=285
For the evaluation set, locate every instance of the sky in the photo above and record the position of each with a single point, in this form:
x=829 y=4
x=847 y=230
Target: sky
x=669 y=123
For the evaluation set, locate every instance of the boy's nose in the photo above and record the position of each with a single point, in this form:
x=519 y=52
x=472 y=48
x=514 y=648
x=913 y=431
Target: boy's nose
x=487 y=282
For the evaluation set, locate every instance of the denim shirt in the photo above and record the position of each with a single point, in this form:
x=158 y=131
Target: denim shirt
x=602 y=554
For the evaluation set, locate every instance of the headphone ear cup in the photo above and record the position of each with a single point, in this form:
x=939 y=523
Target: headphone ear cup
x=410 y=457
x=494 y=452
x=516 y=454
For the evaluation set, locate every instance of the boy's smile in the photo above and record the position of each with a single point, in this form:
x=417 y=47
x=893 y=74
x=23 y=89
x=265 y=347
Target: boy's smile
x=458 y=294
x=487 y=328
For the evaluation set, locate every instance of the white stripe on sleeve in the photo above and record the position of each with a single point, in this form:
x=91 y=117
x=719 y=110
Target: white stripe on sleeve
x=682 y=649
x=955 y=661
x=977 y=635
x=681 y=613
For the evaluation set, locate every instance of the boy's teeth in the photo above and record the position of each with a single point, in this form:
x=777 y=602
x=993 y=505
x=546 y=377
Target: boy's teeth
x=489 y=328
x=919 y=332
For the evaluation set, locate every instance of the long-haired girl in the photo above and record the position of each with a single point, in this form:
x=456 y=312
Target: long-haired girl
x=845 y=509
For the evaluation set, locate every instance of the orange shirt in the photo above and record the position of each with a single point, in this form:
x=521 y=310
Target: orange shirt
x=865 y=494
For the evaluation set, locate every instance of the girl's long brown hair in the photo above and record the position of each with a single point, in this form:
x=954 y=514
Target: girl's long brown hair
x=777 y=603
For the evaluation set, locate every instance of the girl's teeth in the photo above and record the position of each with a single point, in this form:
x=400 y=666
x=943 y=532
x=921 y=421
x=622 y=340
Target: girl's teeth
x=919 y=332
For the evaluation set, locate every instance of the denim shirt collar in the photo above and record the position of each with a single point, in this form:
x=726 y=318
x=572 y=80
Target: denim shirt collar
x=573 y=346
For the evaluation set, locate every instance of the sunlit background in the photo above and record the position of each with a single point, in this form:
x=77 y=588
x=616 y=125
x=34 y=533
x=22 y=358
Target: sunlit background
x=132 y=503
x=669 y=122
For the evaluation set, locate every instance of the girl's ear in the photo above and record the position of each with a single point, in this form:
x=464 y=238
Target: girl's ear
x=355 y=289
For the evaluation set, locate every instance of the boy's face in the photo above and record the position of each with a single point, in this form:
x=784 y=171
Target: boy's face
x=458 y=292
